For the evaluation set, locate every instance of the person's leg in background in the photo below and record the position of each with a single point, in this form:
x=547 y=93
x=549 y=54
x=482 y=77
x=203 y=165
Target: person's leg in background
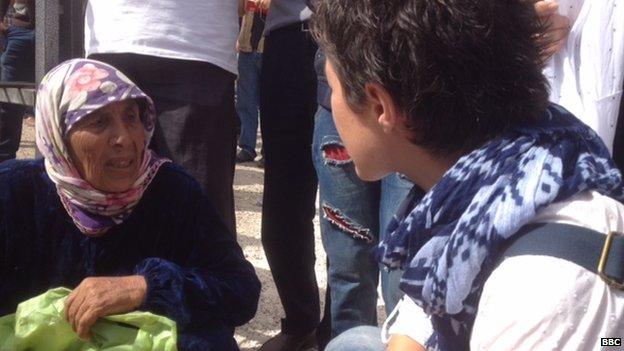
x=355 y=213
x=18 y=64
x=348 y=208
x=288 y=104
x=197 y=128
x=196 y=119
x=394 y=189
x=248 y=103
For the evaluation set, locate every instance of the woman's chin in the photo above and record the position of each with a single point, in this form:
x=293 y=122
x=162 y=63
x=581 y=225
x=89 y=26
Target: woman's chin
x=367 y=175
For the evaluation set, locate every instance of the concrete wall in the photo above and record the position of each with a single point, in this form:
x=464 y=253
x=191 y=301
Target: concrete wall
x=47 y=36
x=60 y=31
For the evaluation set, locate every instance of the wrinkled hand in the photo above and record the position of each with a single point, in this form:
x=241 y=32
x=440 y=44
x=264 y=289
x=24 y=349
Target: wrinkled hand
x=556 y=28
x=103 y=296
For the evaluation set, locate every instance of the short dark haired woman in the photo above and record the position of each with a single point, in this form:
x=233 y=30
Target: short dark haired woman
x=451 y=94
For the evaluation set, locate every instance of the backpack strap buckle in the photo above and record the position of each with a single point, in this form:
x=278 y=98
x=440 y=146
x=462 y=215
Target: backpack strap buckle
x=604 y=264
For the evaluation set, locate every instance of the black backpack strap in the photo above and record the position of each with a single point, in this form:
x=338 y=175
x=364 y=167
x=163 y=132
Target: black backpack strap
x=592 y=250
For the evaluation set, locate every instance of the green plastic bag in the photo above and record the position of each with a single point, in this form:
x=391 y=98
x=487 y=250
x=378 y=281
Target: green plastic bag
x=39 y=325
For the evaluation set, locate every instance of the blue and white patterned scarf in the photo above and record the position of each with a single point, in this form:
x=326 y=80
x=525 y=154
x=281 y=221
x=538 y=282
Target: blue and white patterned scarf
x=448 y=242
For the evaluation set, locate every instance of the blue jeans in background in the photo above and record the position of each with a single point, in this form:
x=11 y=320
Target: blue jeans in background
x=353 y=214
x=363 y=338
x=248 y=98
x=18 y=64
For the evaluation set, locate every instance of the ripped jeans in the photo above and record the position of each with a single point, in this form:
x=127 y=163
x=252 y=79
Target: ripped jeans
x=353 y=213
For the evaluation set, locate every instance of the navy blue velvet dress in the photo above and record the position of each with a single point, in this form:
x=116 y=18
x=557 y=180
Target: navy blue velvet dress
x=196 y=272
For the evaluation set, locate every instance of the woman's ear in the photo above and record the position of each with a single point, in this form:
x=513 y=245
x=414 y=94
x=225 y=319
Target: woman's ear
x=384 y=108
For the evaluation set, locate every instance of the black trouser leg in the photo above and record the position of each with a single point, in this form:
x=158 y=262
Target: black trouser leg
x=288 y=104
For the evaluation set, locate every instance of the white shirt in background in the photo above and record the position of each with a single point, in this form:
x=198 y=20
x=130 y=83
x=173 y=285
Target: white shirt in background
x=539 y=302
x=198 y=30
x=586 y=76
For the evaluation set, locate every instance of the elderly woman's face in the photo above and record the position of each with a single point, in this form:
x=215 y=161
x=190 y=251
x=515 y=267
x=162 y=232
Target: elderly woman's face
x=107 y=146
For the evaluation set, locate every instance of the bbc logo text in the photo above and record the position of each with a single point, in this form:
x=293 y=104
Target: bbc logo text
x=610 y=341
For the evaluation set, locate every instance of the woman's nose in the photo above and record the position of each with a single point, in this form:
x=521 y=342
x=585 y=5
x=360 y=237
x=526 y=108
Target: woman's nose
x=120 y=134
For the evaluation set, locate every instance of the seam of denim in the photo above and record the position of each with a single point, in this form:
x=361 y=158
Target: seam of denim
x=345 y=224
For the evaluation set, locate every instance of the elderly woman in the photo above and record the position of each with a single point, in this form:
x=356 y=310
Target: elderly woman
x=104 y=215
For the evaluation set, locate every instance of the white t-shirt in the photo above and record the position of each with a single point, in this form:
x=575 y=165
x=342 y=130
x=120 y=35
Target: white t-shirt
x=566 y=307
x=586 y=76
x=199 y=30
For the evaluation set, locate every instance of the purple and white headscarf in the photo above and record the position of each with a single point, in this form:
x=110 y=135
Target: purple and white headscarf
x=68 y=93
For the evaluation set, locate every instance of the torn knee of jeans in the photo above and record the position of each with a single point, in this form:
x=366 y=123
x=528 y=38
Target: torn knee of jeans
x=335 y=153
x=338 y=219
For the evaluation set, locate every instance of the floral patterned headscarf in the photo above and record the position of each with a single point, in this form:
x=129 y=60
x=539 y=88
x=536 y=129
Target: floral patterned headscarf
x=67 y=94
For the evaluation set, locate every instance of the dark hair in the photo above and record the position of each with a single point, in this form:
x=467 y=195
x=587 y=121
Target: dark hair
x=462 y=71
